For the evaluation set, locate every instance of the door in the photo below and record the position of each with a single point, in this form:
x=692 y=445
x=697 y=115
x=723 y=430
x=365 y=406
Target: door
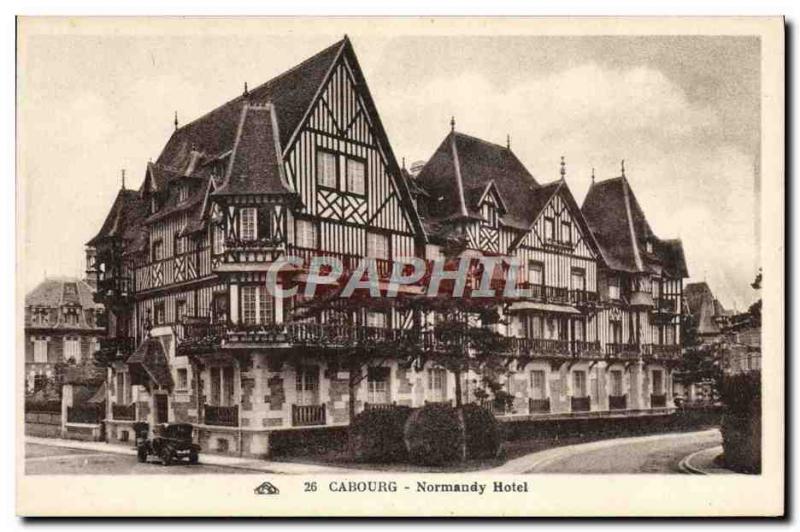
x=161 y=408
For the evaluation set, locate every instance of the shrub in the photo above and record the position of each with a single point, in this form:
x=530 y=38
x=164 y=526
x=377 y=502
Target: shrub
x=482 y=433
x=741 y=422
x=434 y=435
x=377 y=435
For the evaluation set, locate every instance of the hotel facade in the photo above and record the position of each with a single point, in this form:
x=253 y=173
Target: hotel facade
x=301 y=166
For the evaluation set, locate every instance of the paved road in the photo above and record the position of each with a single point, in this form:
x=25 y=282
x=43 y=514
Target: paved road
x=50 y=460
x=660 y=454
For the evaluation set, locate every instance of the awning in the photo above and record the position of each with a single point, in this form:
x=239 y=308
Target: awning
x=150 y=360
x=542 y=307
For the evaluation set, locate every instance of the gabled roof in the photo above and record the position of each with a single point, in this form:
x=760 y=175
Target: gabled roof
x=291 y=93
x=124 y=219
x=151 y=360
x=255 y=165
x=622 y=231
x=704 y=307
x=461 y=169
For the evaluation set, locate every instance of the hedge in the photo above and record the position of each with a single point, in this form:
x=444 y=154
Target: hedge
x=377 y=435
x=434 y=435
x=741 y=422
x=482 y=433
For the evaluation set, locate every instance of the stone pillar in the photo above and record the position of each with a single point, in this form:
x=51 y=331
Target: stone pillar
x=234 y=303
x=66 y=402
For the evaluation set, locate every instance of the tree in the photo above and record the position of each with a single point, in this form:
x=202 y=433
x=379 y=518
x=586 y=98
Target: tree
x=701 y=362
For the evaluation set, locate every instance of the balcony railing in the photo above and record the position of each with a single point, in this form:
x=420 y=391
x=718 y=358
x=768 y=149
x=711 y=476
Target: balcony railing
x=582 y=297
x=658 y=400
x=115 y=286
x=308 y=415
x=581 y=404
x=617 y=402
x=349 y=262
x=222 y=416
x=584 y=349
x=623 y=351
x=662 y=352
x=539 y=406
x=545 y=293
x=665 y=305
x=539 y=346
x=124 y=412
x=123 y=345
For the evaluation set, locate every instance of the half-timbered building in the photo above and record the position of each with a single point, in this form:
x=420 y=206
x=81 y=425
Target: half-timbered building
x=301 y=166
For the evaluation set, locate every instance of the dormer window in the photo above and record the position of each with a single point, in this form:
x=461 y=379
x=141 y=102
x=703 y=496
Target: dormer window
x=183 y=193
x=153 y=205
x=649 y=246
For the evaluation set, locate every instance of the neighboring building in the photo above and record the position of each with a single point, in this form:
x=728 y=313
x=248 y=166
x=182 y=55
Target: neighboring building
x=63 y=326
x=709 y=316
x=742 y=345
x=301 y=166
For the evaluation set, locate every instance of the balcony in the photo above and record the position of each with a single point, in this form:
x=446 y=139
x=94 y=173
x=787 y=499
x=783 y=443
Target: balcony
x=618 y=402
x=539 y=346
x=664 y=309
x=123 y=412
x=581 y=404
x=586 y=350
x=658 y=400
x=623 y=351
x=114 y=349
x=308 y=415
x=660 y=352
x=260 y=250
x=113 y=290
x=583 y=298
x=221 y=416
x=539 y=406
x=546 y=294
x=349 y=262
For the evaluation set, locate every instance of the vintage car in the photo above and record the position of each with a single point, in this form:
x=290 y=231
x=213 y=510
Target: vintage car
x=170 y=442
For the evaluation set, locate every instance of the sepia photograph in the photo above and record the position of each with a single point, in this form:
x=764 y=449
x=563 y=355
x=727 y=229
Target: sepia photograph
x=453 y=259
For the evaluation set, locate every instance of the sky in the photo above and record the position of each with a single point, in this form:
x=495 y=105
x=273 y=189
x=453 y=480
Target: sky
x=682 y=111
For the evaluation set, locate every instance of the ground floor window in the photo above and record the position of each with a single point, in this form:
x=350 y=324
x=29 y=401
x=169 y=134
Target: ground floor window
x=39 y=383
x=40 y=350
x=437 y=384
x=183 y=378
x=222 y=386
x=658 y=382
x=538 y=386
x=579 y=383
x=307 y=385
x=616 y=382
x=378 y=385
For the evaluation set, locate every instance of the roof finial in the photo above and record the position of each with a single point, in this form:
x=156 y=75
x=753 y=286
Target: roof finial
x=622 y=165
x=452 y=123
x=123 y=179
x=563 y=168
x=592 y=174
x=404 y=163
x=246 y=92
x=176 y=120
x=508 y=141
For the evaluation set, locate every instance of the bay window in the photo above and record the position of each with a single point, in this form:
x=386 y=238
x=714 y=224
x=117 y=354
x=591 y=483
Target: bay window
x=256 y=305
x=247 y=223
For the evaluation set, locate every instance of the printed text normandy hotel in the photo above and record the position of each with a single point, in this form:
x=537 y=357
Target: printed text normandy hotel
x=301 y=166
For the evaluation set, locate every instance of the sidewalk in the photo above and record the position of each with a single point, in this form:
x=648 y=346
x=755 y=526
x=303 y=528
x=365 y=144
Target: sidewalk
x=702 y=463
x=251 y=464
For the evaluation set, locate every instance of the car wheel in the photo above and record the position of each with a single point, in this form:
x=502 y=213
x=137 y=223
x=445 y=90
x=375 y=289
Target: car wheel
x=166 y=456
x=141 y=454
x=193 y=457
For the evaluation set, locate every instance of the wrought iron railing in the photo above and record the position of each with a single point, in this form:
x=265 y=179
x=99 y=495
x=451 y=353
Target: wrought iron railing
x=539 y=406
x=308 y=415
x=582 y=297
x=581 y=404
x=662 y=352
x=223 y=416
x=623 y=351
x=586 y=349
x=658 y=400
x=617 y=402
